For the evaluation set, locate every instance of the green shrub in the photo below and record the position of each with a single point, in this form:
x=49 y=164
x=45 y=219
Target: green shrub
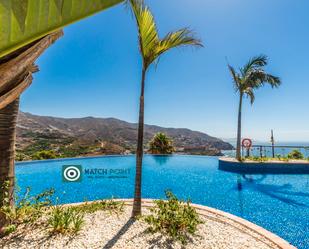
x=173 y=218
x=27 y=209
x=295 y=154
x=65 y=220
x=9 y=229
x=44 y=154
x=21 y=157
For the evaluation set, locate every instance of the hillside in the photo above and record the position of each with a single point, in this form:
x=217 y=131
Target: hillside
x=94 y=136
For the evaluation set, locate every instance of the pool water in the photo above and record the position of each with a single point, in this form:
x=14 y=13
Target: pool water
x=279 y=203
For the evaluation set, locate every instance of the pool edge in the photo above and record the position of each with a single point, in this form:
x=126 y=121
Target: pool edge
x=232 y=165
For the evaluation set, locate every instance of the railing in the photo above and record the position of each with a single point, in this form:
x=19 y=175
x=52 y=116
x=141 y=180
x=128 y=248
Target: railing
x=274 y=151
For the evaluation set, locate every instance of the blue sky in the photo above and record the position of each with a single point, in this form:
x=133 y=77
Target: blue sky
x=94 y=70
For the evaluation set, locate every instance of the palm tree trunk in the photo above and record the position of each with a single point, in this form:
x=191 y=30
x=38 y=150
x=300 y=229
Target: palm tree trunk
x=16 y=72
x=137 y=205
x=8 y=119
x=238 y=145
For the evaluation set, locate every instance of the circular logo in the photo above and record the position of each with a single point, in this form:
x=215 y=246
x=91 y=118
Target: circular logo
x=246 y=142
x=72 y=173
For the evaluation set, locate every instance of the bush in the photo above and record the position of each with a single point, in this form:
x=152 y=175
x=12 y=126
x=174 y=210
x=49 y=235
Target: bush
x=295 y=154
x=21 y=157
x=71 y=219
x=44 y=154
x=27 y=209
x=173 y=218
x=65 y=220
x=9 y=229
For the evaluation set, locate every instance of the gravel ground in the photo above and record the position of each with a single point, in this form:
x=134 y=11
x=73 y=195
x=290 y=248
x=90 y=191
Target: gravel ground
x=103 y=230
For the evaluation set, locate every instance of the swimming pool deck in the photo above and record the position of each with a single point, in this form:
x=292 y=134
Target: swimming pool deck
x=270 y=167
x=270 y=239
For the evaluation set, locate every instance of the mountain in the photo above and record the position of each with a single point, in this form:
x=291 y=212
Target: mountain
x=93 y=136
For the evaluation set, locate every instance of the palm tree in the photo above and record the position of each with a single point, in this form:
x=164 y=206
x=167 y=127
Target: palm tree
x=249 y=78
x=27 y=29
x=17 y=69
x=161 y=144
x=151 y=48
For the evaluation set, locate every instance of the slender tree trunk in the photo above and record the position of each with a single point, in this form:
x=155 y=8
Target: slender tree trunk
x=8 y=119
x=137 y=205
x=238 y=146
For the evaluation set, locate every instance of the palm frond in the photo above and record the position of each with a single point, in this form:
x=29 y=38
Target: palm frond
x=274 y=81
x=254 y=63
x=182 y=37
x=258 y=78
x=151 y=45
x=25 y=21
x=253 y=76
x=235 y=76
x=147 y=30
x=250 y=94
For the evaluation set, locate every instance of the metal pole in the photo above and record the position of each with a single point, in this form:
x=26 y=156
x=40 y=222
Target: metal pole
x=261 y=154
x=273 y=143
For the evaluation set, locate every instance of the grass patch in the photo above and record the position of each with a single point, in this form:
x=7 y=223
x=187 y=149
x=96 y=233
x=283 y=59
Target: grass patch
x=173 y=218
x=61 y=219
x=65 y=220
x=112 y=206
x=70 y=219
x=29 y=209
x=256 y=159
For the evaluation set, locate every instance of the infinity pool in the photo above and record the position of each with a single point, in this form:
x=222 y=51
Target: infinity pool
x=279 y=203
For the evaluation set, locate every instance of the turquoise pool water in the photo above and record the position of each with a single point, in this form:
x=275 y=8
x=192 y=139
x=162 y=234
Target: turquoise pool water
x=279 y=203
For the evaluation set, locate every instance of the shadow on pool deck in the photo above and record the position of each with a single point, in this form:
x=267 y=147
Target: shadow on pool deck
x=121 y=232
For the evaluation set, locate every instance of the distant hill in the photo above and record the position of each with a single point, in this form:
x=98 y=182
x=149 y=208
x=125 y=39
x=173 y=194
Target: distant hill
x=93 y=136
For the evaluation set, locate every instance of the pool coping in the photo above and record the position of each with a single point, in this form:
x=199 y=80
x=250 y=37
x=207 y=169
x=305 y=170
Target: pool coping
x=203 y=210
x=106 y=156
x=270 y=167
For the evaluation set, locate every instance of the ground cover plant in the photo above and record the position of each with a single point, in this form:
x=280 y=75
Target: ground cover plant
x=112 y=206
x=173 y=218
x=65 y=220
x=295 y=154
x=29 y=210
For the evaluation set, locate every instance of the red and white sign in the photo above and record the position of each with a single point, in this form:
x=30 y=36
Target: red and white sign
x=247 y=143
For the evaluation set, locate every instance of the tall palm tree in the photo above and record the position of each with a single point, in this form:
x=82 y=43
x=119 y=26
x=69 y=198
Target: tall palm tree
x=151 y=48
x=249 y=78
